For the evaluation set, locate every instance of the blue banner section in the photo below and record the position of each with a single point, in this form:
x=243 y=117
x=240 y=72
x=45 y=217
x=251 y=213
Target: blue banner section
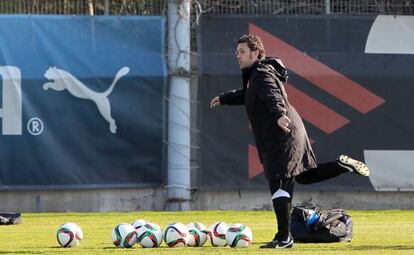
x=82 y=101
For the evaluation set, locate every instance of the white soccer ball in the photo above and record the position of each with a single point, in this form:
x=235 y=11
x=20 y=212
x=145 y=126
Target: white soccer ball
x=239 y=236
x=198 y=234
x=217 y=234
x=139 y=223
x=176 y=235
x=150 y=235
x=69 y=235
x=124 y=235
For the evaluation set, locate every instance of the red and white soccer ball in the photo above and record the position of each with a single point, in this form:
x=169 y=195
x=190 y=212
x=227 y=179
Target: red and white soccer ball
x=124 y=235
x=176 y=235
x=69 y=235
x=239 y=236
x=149 y=235
x=139 y=223
x=217 y=234
x=198 y=234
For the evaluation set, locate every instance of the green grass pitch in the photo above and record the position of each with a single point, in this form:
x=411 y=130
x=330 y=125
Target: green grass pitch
x=375 y=232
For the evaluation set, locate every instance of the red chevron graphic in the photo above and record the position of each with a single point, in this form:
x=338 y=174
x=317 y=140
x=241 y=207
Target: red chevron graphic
x=319 y=74
x=255 y=167
x=315 y=112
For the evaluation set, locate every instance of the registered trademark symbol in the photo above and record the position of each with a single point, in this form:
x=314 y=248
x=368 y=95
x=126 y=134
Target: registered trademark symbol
x=35 y=126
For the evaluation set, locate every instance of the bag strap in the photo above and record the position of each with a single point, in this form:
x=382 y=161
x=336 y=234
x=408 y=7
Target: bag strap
x=326 y=218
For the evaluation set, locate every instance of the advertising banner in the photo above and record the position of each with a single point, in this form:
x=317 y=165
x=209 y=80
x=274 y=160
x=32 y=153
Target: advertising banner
x=353 y=92
x=81 y=101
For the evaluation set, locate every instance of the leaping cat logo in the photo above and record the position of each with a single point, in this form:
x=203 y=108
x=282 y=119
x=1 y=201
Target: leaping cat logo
x=64 y=80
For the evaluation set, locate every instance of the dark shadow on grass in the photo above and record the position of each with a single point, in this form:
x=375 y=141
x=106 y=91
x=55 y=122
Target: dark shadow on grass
x=350 y=247
x=113 y=248
x=165 y=248
x=139 y=247
x=380 y=247
x=18 y=252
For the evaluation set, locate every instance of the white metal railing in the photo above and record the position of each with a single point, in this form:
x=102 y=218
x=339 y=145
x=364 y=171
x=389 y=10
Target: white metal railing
x=218 y=7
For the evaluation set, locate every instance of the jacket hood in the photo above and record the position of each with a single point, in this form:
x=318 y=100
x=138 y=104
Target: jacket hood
x=279 y=68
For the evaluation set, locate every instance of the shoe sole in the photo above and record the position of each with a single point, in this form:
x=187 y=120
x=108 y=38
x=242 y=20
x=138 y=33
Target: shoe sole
x=353 y=165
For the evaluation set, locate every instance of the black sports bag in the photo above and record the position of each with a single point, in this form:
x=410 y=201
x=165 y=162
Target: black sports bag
x=321 y=226
x=10 y=218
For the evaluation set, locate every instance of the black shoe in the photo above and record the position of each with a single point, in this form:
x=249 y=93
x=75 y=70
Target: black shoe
x=278 y=244
x=353 y=165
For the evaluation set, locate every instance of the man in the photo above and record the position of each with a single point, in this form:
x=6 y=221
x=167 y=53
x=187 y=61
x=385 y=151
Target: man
x=281 y=139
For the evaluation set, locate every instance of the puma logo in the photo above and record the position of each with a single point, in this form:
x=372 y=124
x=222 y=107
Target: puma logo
x=64 y=80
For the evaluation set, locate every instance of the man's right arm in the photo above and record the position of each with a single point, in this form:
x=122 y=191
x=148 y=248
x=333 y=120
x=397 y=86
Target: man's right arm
x=232 y=97
x=214 y=102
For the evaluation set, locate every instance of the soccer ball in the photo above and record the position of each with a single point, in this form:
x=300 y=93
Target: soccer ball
x=149 y=235
x=69 y=235
x=217 y=234
x=239 y=236
x=176 y=235
x=124 y=235
x=139 y=223
x=198 y=234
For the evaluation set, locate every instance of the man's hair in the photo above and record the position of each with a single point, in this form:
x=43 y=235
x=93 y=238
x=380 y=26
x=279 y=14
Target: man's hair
x=254 y=43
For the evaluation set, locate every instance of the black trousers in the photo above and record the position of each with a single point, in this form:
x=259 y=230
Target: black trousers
x=282 y=192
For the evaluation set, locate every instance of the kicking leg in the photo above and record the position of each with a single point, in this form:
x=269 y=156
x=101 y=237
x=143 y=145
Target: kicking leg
x=331 y=169
x=320 y=173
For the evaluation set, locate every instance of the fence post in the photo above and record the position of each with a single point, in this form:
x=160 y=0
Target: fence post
x=106 y=7
x=178 y=186
x=327 y=7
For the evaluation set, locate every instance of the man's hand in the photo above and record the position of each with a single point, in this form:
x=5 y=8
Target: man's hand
x=214 y=102
x=284 y=122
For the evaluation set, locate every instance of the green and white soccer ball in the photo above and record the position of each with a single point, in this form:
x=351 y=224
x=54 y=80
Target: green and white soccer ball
x=149 y=235
x=239 y=236
x=217 y=234
x=124 y=235
x=198 y=234
x=69 y=235
x=176 y=235
x=139 y=223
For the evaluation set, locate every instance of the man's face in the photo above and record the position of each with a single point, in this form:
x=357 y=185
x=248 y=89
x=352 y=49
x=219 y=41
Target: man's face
x=246 y=57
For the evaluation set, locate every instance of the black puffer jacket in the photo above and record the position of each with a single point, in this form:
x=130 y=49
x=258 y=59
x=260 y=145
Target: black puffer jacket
x=283 y=155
